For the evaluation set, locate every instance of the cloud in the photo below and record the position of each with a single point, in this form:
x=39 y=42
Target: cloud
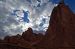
x=39 y=13
x=12 y=14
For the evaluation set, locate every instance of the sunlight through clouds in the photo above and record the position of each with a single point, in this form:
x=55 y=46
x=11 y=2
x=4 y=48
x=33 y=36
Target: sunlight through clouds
x=12 y=16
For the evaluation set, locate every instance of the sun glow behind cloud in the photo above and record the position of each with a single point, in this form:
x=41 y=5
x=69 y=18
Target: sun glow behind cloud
x=12 y=15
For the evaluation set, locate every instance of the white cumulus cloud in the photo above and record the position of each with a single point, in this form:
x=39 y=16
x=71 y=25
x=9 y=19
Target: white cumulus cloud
x=12 y=23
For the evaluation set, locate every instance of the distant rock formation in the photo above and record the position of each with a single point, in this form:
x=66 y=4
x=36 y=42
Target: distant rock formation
x=27 y=40
x=59 y=35
x=28 y=34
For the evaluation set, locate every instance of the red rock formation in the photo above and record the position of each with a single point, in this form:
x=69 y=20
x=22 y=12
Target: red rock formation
x=27 y=40
x=27 y=34
x=61 y=30
x=31 y=37
x=0 y=40
x=17 y=40
x=59 y=35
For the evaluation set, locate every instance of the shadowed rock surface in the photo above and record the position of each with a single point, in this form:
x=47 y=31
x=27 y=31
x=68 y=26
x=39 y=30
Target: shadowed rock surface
x=61 y=30
x=59 y=35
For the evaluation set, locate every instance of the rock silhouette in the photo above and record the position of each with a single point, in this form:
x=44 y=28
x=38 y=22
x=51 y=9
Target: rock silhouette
x=59 y=35
x=61 y=30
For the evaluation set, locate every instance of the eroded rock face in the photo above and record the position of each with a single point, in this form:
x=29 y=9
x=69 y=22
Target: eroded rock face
x=27 y=35
x=59 y=35
x=61 y=30
x=27 y=40
x=31 y=37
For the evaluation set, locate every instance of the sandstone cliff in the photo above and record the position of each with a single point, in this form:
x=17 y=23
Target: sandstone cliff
x=61 y=31
x=59 y=35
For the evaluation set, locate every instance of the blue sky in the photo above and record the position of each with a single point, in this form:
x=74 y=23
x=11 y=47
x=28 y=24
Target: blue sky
x=16 y=16
x=70 y=3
